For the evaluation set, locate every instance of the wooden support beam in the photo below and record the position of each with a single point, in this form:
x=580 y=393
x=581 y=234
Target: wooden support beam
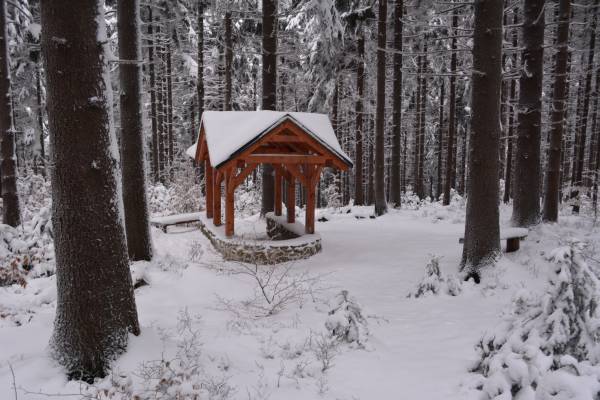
x=247 y=170
x=295 y=171
x=229 y=200
x=277 y=192
x=217 y=176
x=291 y=200
x=285 y=159
x=208 y=187
x=309 y=223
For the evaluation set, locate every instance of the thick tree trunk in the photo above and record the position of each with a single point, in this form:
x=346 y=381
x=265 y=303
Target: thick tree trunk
x=395 y=176
x=8 y=172
x=450 y=150
x=380 y=203
x=440 y=138
x=137 y=229
x=482 y=231
x=95 y=308
x=360 y=88
x=228 y=60
x=559 y=106
x=526 y=202
x=269 y=90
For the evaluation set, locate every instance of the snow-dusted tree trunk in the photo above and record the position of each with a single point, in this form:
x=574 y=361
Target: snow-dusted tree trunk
x=508 y=164
x=132 y=133
x=440 y=140
x=8 y=171
x=380 y=203
x=395 y=176
x=526 y=203
x=269 y=90
x=559 y=106
x=95 y=308
x=153 y=110
x=482 y=231
x=450 y=148
x=359 y=199
x=200 y=56
x=228 y=60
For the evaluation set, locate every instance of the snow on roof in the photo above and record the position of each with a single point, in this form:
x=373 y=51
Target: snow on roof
x=229 y=131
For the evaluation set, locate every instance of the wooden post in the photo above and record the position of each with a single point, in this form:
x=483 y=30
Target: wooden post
x=277 y=191
x=229 y=196
x=208 y=185
x=309 y=224
x=291 y=200
x=217 y=198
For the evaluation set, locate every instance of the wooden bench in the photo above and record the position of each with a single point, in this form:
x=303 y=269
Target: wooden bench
x=177 y=219
x=513 y=237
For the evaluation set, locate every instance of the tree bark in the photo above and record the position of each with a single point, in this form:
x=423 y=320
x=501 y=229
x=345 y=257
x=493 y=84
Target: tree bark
x=526 y=202
x=440 y=139
x=40 y=116
x=482 y=231
x=269 y=90
x=95 y=307
x=228 y=60
x=137 y=229
x=422 y=123
x=450 y=151
x=360 y=88
x=559 y=106
x=380 y=203
x=395 y=176
x=170 y=137
x=10 y=199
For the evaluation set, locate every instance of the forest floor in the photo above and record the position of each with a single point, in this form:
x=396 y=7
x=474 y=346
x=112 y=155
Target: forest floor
x=417 y=348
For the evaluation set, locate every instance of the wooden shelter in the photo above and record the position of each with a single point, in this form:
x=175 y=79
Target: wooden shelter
x=231 y=144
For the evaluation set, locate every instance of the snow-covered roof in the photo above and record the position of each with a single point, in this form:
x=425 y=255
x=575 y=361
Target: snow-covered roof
x=228 y=132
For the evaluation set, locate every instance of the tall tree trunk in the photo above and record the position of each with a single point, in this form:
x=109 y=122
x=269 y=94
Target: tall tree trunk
x=582 y=135
x=40 y=116
x=160 y=109
x=395 y=176
x=153 y=111
x=371 y=164
x=200 y=59
x=8 y=171
x=137 y=229
x=440 y=139
x=95 y=308
x=559 y=106
x=269 y=90
x=508 y=164
x=422 y=123
x=450 y=151
x=416 y=146
x=360 y=88
x=228 y=60
x=526 y=203
x=170 y=138
x=482 y=230
x=380 y=203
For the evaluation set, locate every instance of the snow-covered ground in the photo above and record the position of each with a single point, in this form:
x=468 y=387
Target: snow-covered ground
x=417 y=348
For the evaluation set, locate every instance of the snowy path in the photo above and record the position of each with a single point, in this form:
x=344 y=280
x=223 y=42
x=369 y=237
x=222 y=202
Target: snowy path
x=419 y=348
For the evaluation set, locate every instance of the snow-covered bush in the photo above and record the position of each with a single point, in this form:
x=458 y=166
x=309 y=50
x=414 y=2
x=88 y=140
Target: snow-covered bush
x=331 y=192
x=346 y=321
x=182 y=195
x=548 y=348
x=410 y=200
x=182 y=377
x=434 y=283
x=27 y=250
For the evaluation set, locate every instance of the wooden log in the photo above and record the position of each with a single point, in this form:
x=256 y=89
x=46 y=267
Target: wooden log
x=216 y=198
x=277 y=192
x=309 y=224
x=291 y=200
x=208 y=183
x=513 y=244
x=229 y=206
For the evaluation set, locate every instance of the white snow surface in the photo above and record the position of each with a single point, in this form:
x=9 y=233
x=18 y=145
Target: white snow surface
x=418 y=348
x=229 y=131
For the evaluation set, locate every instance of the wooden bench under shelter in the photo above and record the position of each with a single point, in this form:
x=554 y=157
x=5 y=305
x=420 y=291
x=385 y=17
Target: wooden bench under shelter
x=177 y=219
x=513 y=237
x=231 y=144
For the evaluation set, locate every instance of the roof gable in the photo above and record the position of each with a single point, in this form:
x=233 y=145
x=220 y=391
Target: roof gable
x=230 y=132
